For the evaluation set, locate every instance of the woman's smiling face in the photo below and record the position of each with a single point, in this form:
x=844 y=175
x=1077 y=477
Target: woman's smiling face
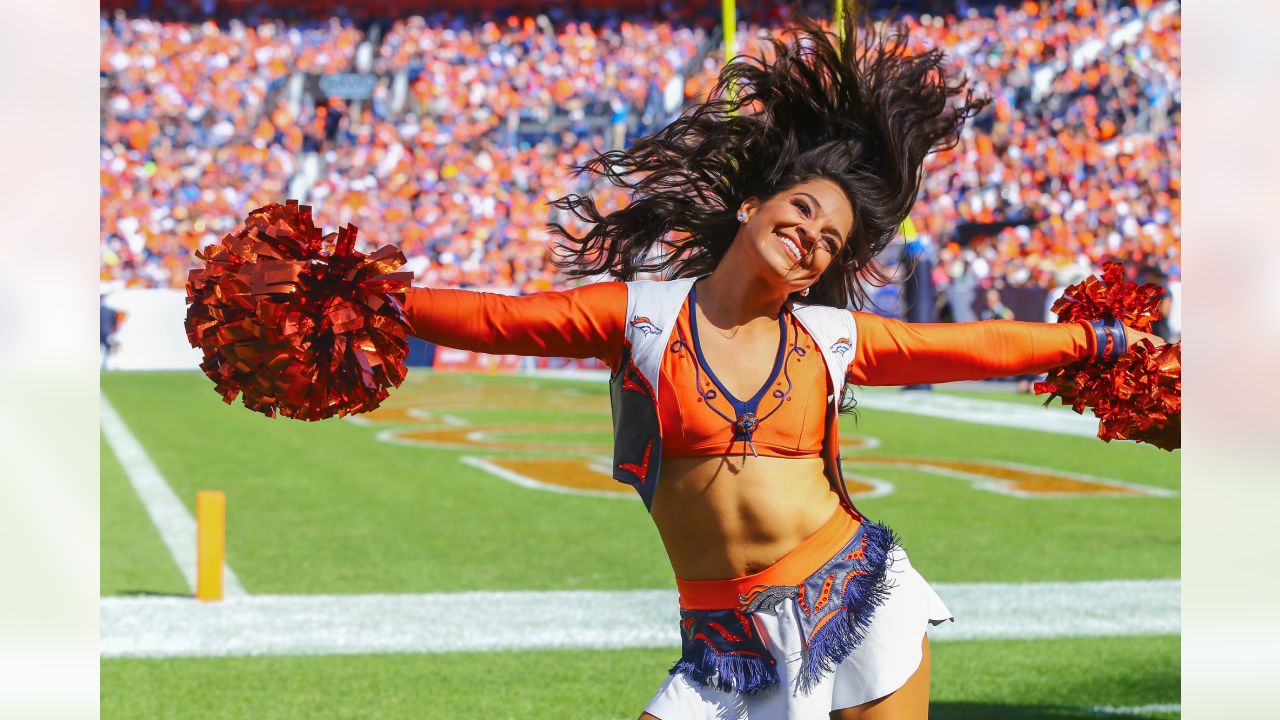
x=799 y=230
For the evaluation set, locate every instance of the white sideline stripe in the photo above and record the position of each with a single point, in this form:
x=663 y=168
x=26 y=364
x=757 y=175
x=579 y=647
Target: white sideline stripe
x=1022 y=611
x=174 y=522
x=983 y=412
x=158 y=627
x=1137 y=709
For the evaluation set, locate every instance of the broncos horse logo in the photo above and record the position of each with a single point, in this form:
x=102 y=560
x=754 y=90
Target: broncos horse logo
x=841 y=346
x=645 y=325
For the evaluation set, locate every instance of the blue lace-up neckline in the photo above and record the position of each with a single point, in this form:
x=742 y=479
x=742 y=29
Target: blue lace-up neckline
x=746 y=420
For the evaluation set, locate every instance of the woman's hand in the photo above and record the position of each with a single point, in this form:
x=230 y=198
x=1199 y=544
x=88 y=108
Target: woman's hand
x=1133 y=336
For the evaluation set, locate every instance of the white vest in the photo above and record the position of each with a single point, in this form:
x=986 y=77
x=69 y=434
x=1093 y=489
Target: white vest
x=652 y=309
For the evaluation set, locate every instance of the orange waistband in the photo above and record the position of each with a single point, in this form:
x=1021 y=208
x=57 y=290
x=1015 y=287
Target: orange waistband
x=791 y=569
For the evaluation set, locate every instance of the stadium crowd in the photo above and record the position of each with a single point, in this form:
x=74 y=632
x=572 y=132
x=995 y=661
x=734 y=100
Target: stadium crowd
x=472 y=125
x=1077 y=161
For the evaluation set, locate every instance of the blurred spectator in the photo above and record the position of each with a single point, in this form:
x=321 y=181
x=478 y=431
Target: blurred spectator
x=994 y=309
x=108 y=323
x=959 y=291
x=1160 y=327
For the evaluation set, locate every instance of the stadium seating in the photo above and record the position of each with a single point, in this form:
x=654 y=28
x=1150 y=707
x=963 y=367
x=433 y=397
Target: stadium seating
x=470 y=125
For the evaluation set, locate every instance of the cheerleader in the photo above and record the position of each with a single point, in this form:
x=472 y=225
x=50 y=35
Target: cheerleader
x=764 y=206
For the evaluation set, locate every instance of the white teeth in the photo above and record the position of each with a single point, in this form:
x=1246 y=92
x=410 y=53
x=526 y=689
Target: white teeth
x=792 y=247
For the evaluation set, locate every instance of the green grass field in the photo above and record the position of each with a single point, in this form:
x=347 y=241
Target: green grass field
x=387 y=506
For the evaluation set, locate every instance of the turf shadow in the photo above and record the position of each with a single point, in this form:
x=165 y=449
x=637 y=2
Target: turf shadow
x=150 y=593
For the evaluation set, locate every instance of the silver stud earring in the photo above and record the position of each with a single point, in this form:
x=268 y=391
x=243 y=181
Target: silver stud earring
x=804 y=292
x=742 y=216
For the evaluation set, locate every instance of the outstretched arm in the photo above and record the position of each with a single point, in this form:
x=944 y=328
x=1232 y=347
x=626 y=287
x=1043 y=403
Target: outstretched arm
x=579 y=323
x=891 y=352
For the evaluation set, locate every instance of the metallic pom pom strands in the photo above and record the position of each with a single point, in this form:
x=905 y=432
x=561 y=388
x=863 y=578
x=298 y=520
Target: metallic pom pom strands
x=1137 y=395
x=301 y=323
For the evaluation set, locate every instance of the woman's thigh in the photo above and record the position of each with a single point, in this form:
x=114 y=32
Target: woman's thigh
x=909 y=702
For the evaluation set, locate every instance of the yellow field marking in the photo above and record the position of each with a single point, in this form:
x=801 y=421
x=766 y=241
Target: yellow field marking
x=386 y=415
x=211 y=543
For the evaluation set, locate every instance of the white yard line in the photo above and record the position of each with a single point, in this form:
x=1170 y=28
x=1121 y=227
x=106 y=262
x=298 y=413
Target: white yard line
x=174 y=522
x=1136 y=709
x=1021 y=611
x=471 y=621
x=983 y=412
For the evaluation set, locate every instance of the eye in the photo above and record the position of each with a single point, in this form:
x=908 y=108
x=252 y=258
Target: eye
x=802 y=205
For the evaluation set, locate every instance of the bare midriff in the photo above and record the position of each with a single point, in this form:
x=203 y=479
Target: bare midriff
x=721 y=517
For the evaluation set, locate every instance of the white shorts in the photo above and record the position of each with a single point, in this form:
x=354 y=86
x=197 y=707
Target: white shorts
x=888 y=655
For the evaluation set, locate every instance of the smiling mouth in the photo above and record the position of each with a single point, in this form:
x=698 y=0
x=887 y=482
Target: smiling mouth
x=791 y=247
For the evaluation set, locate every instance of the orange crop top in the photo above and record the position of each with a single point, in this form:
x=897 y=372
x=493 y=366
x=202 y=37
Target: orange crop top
x=696 y=413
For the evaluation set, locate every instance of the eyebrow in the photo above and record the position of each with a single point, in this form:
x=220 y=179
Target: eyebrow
x=819 y=204
x=811 y=197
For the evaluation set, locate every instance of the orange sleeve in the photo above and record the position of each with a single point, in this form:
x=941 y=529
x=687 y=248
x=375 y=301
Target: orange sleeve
x=891 y=352
x=579 y=323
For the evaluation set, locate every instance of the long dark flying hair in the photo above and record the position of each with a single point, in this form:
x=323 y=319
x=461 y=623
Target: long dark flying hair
x=859 y=109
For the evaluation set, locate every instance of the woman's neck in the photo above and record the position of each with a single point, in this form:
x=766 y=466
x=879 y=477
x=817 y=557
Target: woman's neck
x=734 y=295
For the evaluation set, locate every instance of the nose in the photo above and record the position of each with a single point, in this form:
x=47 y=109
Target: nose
x=807 y=238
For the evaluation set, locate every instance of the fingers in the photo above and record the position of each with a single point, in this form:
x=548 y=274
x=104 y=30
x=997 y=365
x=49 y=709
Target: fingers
x=1135 y=336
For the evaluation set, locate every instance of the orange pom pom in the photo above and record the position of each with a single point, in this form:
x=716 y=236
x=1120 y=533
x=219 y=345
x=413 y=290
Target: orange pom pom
x=1140 y=396
x=299 y=322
